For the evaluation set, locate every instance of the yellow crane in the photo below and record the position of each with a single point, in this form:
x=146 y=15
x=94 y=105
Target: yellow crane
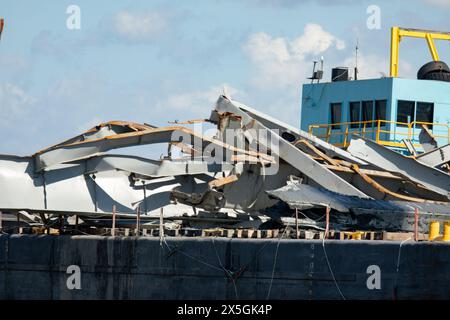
x=396 y=36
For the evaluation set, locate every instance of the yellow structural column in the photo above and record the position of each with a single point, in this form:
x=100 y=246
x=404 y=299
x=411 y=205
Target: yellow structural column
x=432 y=47
x=434 y=230
x=395 y=41
x=397 y=34
x=446 y=236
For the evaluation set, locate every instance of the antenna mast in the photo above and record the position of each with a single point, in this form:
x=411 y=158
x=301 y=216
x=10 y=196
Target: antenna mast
x=356 y=58
x=317 y=75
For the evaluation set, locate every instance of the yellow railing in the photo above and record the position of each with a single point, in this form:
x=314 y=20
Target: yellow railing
x=384 y=132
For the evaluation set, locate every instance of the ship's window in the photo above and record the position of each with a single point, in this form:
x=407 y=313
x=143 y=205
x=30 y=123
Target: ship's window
x=367 y=111
x=405 y=112
x=336 y=114
x=424 y=113
x=380 y=111
x=355 y=114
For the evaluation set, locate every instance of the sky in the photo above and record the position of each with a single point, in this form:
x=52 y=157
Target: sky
x=159 y=61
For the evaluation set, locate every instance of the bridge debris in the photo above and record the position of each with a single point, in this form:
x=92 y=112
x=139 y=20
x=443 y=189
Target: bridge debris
x=254 y=174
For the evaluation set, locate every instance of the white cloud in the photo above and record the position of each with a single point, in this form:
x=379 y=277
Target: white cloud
x=294 y=3
x=372 y=66
x=89 y=124
x=439 y=3
x=315 y=40
x=197 y=103
x=14 y=101
x=138 y=27
x=369 y=66
x=281 y=62
x=15 y=64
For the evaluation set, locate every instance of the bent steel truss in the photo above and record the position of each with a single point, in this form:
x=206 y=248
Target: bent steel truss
x=225 y=179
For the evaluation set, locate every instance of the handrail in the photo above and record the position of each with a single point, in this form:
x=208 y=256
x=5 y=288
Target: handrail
x=384 y=132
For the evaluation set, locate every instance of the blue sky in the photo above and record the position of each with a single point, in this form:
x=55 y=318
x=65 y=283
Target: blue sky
x=156 y=61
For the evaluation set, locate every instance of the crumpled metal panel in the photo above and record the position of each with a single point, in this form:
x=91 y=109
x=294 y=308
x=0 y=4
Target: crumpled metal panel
x=154 y=168
x=76 y=177
x=286 y=151
x=273 y=123
x=435 y=157
x=298 y=195
x=364 y=213
x=20 y=188
x=392 y=161
x=73 y=151
x=69 y=189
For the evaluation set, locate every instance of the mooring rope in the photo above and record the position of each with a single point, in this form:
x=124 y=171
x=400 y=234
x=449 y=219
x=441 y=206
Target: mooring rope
x=331 y=270
x=275 y=261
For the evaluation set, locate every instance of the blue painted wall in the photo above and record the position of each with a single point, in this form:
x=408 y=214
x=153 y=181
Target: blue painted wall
x=316 y=100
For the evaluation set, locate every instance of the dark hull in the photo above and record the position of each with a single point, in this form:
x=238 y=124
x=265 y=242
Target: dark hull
x=34 y=267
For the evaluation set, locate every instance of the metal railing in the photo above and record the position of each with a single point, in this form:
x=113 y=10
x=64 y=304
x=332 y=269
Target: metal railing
x=384 y=132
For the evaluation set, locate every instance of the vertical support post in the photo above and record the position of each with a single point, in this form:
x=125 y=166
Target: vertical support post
x=432 y=47
x=435 y=227
x=76 y=223
x=446 y=235
x=395 y=42
x=416 y=224
x=138 y=220
x=113 y=229
x=378 y=130
x=346 y=136
x=145 y=197
x=327 y=222
x=61 y=223
x=448 y=134
x=18 y=222
x=297 y=234
x=410 y=131
x=1 y=221
x=161 y=226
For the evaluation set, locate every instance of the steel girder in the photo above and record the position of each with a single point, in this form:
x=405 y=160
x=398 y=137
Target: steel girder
x=389 y=160
x=286 y=151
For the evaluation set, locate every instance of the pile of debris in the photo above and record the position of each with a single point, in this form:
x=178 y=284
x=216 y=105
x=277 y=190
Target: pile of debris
x=254 y=174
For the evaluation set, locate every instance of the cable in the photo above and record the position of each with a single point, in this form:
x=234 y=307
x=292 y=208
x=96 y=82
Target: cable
x=398 y=258
x=222 y=268
x=331 y=270
x=315 y=220
x=55 y=221
x=400 y=251
x=220 y=262
x=398 y=263
x=226 y=270
x=191 y=257
x=275 y=261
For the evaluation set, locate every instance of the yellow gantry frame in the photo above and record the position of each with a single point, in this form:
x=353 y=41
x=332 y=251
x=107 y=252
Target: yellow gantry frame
x=397 y=34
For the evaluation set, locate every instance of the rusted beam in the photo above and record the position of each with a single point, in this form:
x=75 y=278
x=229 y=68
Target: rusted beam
x=76 y=149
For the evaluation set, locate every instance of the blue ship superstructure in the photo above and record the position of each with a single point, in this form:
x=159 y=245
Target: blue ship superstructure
x=391 y=110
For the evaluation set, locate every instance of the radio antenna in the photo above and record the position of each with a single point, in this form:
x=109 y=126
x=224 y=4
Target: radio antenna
x=356 y=58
